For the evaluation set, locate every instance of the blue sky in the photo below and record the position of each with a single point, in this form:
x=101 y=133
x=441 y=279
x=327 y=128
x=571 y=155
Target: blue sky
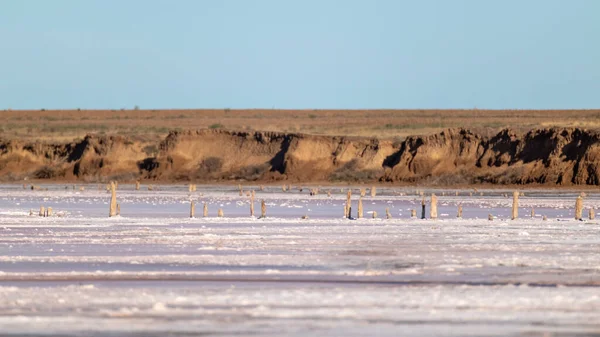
x=299 y=54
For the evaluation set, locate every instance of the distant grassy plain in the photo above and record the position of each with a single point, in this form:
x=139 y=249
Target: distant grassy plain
x=61 y=125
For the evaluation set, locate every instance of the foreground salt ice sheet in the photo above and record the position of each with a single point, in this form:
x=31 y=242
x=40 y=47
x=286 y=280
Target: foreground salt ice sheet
x=154 y=272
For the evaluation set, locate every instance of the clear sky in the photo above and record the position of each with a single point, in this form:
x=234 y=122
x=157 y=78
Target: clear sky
x=299 y=54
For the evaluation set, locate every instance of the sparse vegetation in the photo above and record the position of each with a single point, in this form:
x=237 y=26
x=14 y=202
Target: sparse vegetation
x=389 y=124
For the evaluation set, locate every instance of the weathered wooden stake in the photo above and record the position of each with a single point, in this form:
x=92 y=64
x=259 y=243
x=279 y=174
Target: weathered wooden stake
x=423 y=208
x=252 y=204
x=374 y=215
x=348 y=203
x=459 y=213
x=263 y=209
x=578 y=208
x=433 y=211
x=137 y=185
x=220 y=213
x=42 y=211
x=284 y=188
x=515 y=206
x=360 y=208
x=113 y=200
x=388 y=215
x=49 y=211
x=413 y=213
x=532 y=212
x=205 y=211
x=592 y=214
x=363 y=191
x=373 y=191
x=192 y=209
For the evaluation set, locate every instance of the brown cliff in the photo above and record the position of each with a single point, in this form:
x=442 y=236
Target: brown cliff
x=455 y=156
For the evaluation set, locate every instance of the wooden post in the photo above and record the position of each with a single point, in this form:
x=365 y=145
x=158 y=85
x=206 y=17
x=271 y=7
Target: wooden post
x=388 y=215
x=252 y=204
x=329 y=194
x=490 y=217
x=205 y=211
x=49 y=211
x=348 y=203
x=241 y=190
x=220 y=213
x=192 y=209
x=360 y=208
x=578 y=208
x=374 y=215
x=459 y=213
x=433 y=211
x=363 y=191
x=373 y=191
x=137 y=185
x=113 y=200
x=592 y=214
x=532 y=212
x=283 y=188
x=42 y=211
x=413 y=213
x=515 y=206
x=423 y=208
x=263 y=209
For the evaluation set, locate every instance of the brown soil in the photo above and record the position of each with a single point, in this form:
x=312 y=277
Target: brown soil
x=551 y=157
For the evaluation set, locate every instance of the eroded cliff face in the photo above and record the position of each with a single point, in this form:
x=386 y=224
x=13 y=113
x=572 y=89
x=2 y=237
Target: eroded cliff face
x=454 y=156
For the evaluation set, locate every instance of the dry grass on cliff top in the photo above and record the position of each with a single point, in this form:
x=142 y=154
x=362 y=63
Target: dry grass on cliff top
x=66 y=125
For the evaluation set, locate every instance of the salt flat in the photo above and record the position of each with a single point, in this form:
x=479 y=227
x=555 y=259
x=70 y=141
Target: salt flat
x=153 y=271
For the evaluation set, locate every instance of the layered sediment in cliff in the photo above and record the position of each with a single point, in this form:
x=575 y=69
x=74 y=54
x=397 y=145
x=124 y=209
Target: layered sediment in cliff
x=559 y=156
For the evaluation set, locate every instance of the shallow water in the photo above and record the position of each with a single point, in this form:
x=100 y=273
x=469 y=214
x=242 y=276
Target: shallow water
x=154 y=271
